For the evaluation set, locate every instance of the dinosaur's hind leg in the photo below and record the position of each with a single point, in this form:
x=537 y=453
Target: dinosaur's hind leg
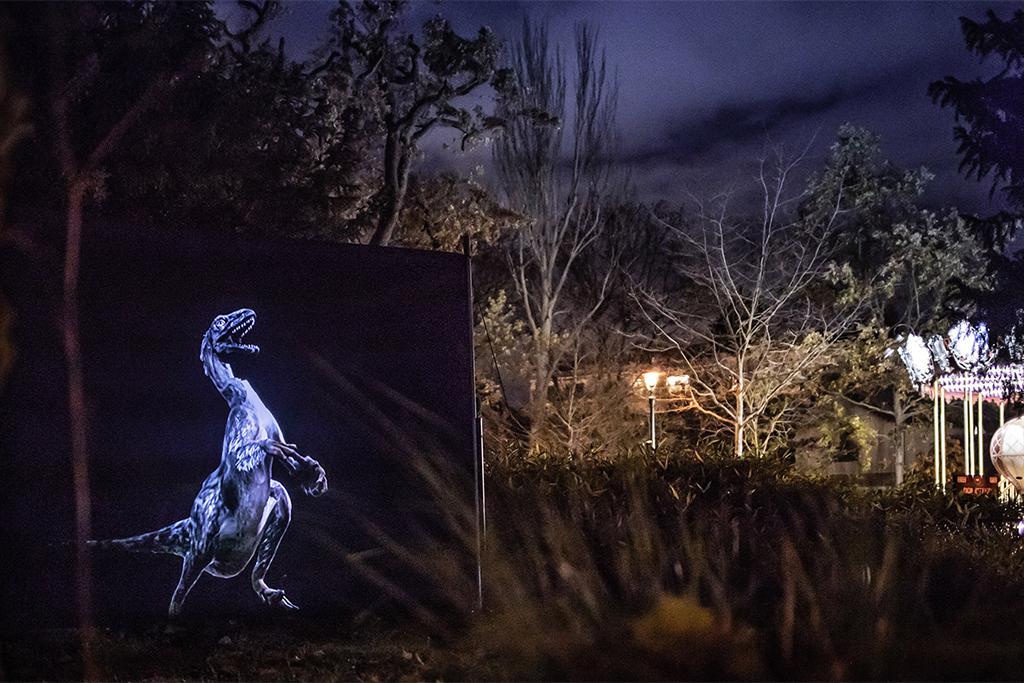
x=191 y=569
x=273 y=530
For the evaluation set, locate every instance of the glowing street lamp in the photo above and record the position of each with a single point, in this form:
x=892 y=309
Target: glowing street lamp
x=676 y=383
x=651 y=382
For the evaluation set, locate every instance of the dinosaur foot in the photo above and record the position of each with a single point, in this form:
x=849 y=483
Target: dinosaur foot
x=275 y=597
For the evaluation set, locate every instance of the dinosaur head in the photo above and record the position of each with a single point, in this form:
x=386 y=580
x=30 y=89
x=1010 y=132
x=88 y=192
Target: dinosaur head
x=226 y=332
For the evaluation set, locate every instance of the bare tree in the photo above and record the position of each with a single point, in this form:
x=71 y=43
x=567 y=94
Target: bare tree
x=558 y=177
x=15 y=126
x=760 y=317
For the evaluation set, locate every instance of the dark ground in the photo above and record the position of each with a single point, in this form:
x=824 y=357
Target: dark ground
x=272 y=650
x=686 y=569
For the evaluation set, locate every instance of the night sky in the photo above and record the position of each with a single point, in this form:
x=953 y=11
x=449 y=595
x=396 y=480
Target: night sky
x=704 y=85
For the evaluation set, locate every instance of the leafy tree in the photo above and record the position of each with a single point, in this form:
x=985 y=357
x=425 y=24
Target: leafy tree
x=393 y=87
x=252 y=141
x=441 y=210
x=159 y=77
x=239 y=148
x=990 y=112
x=502 y=368
x=914 y=270
x=1002 y=306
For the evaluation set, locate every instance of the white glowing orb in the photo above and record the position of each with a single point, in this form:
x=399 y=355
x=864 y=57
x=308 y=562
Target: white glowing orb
x=651 y=379
x=1007 y=452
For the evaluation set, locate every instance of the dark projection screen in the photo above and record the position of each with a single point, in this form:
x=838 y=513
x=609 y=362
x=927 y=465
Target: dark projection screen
x=366 y=362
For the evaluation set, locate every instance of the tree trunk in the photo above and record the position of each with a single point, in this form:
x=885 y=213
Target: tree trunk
x=77 y=418
x=899 y=435
x=757 y=444
x=396 y=182
x=539 y=403
x=740 y=437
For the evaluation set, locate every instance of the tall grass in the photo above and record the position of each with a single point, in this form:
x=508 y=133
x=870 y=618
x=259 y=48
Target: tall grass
x=671 y=568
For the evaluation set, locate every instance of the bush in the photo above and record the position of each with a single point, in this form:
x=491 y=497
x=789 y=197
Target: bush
x=679 y=569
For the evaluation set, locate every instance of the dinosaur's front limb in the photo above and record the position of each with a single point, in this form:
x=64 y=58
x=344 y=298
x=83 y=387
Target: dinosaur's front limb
x=266 y=549
x=312 y=477
x=191 y=569
x=306 y=470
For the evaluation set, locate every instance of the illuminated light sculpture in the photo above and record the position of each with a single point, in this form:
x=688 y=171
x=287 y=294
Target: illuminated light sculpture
x=918 y=359
x=940 y=354
x=968 y=345
x=974 y=390
x=240 y=511
x=959 y=368
x=1007 y=452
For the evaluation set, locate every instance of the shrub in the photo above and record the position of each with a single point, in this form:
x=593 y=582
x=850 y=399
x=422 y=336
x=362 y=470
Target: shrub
x=642 y=568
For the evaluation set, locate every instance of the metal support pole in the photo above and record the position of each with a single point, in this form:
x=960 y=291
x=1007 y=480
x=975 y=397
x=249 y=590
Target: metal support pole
x=968 y=441
x=981 y=434
x=970 y=436
x=935 y=430
x=483 y=479
x=478 y=455
x=942 y=433
x=1008 y=490
x=654 y=434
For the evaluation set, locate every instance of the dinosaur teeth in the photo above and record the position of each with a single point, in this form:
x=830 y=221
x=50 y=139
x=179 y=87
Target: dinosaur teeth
x=241 y=329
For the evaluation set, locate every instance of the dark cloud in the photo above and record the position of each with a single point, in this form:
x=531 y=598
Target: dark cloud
x=732 y=124
x=702 y=85
x=692 y=134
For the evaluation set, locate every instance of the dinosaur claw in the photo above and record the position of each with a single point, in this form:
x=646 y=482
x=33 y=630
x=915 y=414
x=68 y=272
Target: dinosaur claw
x=276 y=598
x=318 y=486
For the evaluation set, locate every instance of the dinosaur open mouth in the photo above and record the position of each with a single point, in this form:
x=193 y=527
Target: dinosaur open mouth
x=231 y=340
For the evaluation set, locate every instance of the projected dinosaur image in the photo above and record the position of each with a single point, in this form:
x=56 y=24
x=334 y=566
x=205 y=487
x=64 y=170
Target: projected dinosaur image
x=241 y=512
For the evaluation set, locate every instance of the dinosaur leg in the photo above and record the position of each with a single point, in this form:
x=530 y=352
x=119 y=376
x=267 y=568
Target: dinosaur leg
x=266 y=548
x=191 y=569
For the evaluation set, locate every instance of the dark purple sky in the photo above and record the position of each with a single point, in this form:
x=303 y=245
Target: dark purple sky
x=702 y=85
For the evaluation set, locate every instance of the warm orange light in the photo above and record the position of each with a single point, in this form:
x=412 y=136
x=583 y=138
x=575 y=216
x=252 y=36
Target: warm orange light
x=677 y=382
x=651 y=379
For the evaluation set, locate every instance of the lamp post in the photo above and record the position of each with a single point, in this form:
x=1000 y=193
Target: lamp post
x=651 y=381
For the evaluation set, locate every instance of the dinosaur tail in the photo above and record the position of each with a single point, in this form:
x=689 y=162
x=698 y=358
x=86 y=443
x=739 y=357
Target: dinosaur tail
x=172 y=539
